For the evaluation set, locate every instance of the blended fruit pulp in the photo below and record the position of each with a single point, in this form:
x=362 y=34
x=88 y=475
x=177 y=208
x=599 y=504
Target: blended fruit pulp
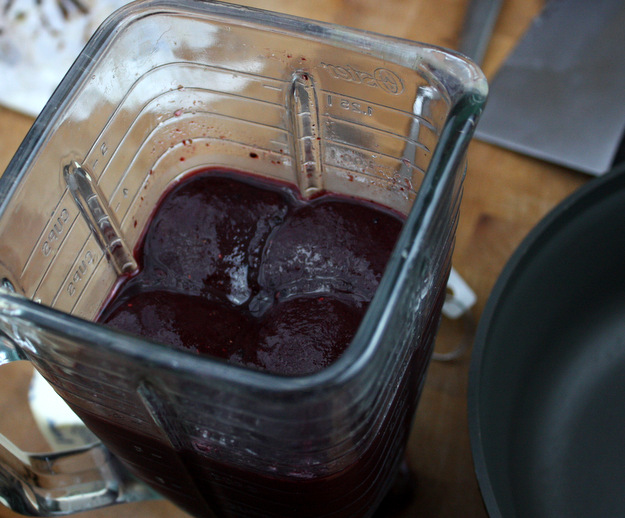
x=245 y=270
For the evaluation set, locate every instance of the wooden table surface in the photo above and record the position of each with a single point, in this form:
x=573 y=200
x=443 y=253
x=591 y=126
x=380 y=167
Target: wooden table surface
x=505 y=195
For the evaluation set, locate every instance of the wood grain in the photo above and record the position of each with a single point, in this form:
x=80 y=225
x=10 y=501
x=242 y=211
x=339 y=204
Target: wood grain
x=506 y=194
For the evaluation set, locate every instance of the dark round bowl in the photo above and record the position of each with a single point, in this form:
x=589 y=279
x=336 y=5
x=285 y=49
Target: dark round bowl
x=547 y=378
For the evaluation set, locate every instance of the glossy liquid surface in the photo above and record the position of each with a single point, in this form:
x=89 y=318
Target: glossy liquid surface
x=245 y=270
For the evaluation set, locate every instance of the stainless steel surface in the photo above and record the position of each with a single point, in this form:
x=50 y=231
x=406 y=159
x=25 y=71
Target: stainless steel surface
x=559 y=96
x=478 y=28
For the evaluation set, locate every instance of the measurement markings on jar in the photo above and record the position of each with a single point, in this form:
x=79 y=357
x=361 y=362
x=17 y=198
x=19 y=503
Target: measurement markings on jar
x=53 y=233
x=78 y=275
x=273 y=87
x=44 y=259
x=59 y=263
x=350 y=105
x=80 y=271
x=99 y=258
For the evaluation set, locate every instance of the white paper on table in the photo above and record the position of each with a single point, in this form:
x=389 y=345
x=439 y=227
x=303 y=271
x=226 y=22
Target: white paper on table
x=39 y=41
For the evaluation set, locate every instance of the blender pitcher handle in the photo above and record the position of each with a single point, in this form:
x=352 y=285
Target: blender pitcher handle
x=62 y=483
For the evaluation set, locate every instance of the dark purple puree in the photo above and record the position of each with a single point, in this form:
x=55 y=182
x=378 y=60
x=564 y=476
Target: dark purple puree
x=247 y=271
x=243 y=269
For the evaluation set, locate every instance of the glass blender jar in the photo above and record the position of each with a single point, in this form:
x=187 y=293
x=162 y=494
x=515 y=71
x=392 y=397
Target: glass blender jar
x=162 y=89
